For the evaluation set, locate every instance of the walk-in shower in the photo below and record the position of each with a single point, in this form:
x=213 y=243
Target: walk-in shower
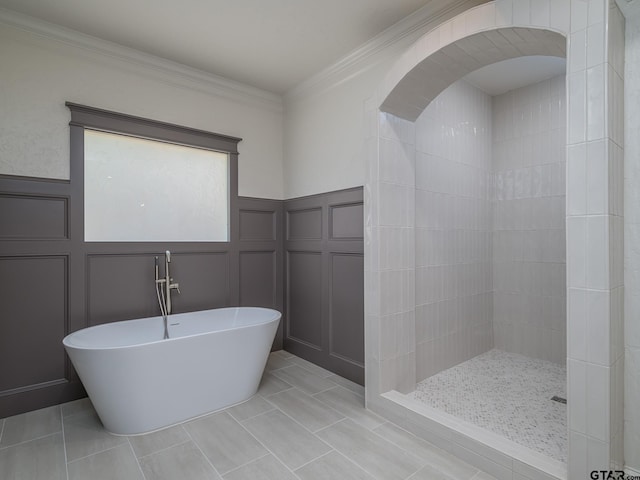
x=490 y=270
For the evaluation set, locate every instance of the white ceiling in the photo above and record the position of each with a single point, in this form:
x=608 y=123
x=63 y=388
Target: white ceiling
x=270 y=44
x=501 y=77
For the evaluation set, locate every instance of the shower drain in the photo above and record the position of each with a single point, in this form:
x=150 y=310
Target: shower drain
x=555 y=398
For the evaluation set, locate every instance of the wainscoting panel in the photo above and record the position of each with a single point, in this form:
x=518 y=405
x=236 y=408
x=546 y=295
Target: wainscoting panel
x=341 y=221
x=34 y=322
x=304 y=298
x=29 y=217
x=120 y=287
x=257 y=225
x=204 y=280
x=346 y=302
x=304 y=224
x=324 y=276
x=258 y=284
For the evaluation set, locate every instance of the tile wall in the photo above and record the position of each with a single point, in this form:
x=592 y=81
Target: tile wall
x=453 y=229
x=529 y=265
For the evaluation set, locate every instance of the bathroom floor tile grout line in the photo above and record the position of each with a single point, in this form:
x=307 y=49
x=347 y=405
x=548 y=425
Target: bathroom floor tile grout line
x=162 y=450
x=95 y=453
x=31 y=440
x=312 y=396
x=133 y=452
x=273 y=407
x=296 y=421
x=249 y=463
x=333 y=450
x=202 y=453
x=269 y=450
x=64 y=444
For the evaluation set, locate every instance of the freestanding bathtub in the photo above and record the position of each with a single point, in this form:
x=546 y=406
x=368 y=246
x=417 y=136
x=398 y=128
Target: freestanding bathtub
x=139 y=382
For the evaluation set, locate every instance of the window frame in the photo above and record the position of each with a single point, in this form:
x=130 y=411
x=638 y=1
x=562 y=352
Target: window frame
x=90 y=118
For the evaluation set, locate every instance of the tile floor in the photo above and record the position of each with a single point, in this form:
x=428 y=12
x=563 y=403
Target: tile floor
x=508 y=394
x=304 y=423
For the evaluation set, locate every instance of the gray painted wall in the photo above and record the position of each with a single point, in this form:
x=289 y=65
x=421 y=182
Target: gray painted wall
x=324 y=281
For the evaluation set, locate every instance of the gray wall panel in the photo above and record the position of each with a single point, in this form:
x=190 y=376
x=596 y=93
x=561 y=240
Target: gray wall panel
x=204 y=281
x=304 y=224
x=346 y=336
x=304 y=297
x=346 y=221
x=120 y=287
x=34 y=318
x=257 y=225
x=325 y=295
x=258 y=274
x=33 y=217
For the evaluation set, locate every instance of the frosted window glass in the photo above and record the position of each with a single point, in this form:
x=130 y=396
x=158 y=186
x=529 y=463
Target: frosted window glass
x=139 y=190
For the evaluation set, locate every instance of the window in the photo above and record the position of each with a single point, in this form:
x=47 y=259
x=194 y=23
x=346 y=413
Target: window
x=146 y=181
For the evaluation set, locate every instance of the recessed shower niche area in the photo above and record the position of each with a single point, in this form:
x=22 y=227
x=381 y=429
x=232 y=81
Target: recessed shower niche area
x=486 y=250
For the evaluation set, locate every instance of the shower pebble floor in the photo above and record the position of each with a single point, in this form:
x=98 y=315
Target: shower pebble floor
x=507 y=394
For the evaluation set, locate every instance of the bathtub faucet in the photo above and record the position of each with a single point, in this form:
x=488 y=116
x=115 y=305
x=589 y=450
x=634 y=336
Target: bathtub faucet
x=163 y=290
x=167 y=282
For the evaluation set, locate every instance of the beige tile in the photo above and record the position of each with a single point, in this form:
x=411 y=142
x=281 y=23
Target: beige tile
x=436 y=458
x=180 y=461
x=351 y=405
x=156 y=441
x=31 y=425
x=254 y=406
x=265 y=468
x=41 y=459
x=331 y=466
x=77 y=406
x=224 y=441
x=84 y=435
x=271 y=384
x=303 y=379
x=289 y=442
x=304 y=409
x=118 y=463
x=374 y=454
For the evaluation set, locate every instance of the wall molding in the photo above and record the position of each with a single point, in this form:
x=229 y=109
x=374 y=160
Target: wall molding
x=176 y=73
x=363 y=58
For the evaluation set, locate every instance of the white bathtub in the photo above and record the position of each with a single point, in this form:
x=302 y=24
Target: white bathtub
x=139 y=382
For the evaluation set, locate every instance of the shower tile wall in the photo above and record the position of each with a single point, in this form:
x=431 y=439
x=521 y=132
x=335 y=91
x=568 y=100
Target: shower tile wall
x=453 y=230
x=529 y=266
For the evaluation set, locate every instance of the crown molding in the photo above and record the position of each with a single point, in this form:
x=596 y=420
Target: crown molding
x=176 y=73
x=364 y=57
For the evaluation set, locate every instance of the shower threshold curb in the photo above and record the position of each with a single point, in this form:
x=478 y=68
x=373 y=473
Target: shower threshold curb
x=486 y=450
